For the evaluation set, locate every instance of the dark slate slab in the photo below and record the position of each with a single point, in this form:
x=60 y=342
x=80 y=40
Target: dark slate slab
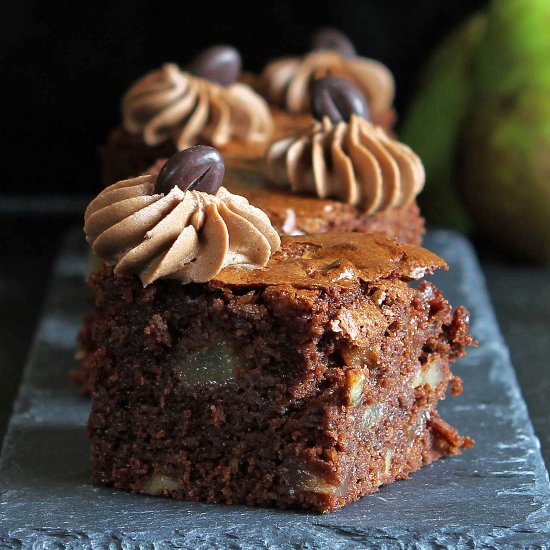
x=493 y=495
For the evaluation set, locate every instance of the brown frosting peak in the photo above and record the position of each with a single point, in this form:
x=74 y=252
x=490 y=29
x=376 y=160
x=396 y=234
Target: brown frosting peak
x=355 y=162
x=190 y=236
x=171 y=104
x=286 y=82
x=337 y=259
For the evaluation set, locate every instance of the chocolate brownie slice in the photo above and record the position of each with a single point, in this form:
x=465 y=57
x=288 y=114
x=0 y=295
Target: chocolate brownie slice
x=307 y=383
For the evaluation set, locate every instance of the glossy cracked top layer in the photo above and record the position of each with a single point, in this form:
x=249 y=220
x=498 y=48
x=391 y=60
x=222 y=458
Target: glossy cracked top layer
x=336 y=259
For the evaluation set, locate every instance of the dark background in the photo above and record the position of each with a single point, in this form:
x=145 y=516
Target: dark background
x=66 y=65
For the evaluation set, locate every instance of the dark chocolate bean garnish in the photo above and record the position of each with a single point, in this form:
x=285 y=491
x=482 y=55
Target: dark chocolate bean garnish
x=331 y=39
x=337 y=99
x=219 y=64
x=198 y=168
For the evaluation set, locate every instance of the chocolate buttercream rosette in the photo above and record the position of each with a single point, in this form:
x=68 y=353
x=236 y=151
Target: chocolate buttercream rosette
x=182 y=224
x=201 y=104
x=345 y=156
x=286 y=82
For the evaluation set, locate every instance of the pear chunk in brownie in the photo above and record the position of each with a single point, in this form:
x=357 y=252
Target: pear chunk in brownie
x=226 y=369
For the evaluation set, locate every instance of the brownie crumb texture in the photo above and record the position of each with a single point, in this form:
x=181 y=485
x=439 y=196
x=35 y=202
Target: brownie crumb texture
x=268 y=394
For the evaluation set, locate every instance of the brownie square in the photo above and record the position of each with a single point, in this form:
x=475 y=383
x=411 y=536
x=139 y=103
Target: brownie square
x=300 y=213
x=308 y=383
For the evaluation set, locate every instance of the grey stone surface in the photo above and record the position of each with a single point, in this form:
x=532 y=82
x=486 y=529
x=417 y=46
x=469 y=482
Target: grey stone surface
x=521 y=298
x=493 y=495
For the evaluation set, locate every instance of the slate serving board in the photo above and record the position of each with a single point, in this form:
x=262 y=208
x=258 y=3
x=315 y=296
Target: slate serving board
x=493 y=495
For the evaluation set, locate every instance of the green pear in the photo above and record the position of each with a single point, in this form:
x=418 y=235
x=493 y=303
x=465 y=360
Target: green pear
x=503 y=165
x=434 y=117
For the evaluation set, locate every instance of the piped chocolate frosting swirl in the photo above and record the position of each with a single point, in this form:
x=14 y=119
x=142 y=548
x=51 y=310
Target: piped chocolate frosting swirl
x=355 y=162
x=172 y=104
x=175 y=229
x=286 y=82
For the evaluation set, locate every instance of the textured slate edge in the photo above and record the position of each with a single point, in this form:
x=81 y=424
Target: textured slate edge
x=314 y=531
x=274 y=538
